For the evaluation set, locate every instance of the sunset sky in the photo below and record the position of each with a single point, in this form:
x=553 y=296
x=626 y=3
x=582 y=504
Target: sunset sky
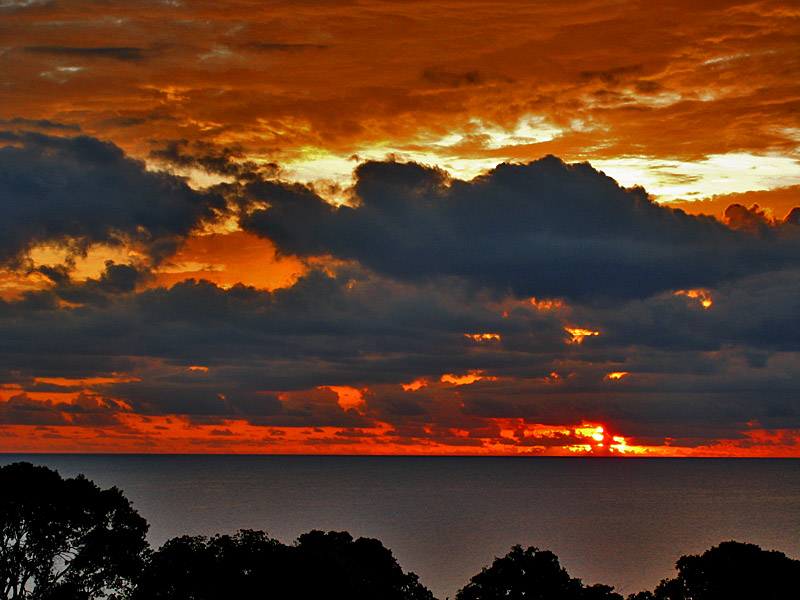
x=400 y=227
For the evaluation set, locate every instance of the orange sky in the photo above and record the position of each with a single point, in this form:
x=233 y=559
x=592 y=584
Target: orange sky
x=176 y=277
x=669 y=95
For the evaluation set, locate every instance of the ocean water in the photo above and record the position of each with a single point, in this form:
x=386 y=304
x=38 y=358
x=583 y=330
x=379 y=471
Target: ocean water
x=622 y=522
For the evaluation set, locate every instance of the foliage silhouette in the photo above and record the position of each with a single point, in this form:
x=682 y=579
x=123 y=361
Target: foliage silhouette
x=361 y=569
x=65 y=538
x=531 y=574
x=730 y=571
x=250 y=564
x=238 y=566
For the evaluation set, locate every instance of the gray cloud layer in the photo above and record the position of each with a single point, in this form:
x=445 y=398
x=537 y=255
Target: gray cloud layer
x=539 y=229
x=80 y=191
x=431 y=263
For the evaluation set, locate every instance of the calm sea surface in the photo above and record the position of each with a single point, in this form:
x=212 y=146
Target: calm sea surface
x=622 y=522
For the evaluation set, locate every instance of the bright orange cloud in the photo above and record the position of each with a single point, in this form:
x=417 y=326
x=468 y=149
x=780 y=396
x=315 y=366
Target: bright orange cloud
x=672 y=80
x=175 y=433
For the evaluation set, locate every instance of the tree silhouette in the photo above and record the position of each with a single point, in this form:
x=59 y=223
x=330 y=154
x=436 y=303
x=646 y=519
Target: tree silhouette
x=65 y=538
x=361 y=569
x=244 y=565
x=530 y=574
x=645 y=595
x=730 y=571
x=251 y=565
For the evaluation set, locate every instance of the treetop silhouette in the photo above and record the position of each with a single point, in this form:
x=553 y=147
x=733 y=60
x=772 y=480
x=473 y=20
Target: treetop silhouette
x=730 y=571
x=65 y=538
x=531 y=574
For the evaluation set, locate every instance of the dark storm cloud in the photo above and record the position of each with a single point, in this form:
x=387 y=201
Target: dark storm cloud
x=115 y=279
x=432 y=264
x=759 y=221
x=212 y=159
x=759 y=312
x=196 y=395
x=311 y=408
x=694 y=373
x=540 y=229
x=397 y=403
x=321 y=331
x=124 y=53
x=79 y=191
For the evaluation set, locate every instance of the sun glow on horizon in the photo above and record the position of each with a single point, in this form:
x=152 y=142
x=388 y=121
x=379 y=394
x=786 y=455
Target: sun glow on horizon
x=598 y=439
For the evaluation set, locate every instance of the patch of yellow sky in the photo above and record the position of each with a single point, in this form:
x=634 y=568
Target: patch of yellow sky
x=89 y=265
x=222 y=257
x=666 y=180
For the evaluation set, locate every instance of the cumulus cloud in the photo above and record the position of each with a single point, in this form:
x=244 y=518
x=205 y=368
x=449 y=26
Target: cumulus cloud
x=760 y=221
x=80 y=191
x=179 y=393
x=114 y=279
x=692 y=373
x=431 y=276
x=540 y=229
x=319 y=331
x=212 y=159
